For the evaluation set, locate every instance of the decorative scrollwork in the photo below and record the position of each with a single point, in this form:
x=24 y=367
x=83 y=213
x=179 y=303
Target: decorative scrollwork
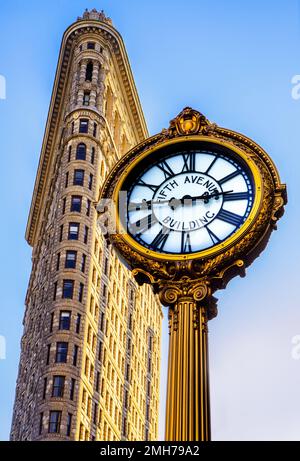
x=169 y=294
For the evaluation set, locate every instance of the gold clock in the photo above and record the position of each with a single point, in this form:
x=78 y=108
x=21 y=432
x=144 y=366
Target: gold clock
x=196 y=196
x=187 y=210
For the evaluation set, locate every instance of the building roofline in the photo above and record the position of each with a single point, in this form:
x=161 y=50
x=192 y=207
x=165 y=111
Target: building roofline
x=79 y=27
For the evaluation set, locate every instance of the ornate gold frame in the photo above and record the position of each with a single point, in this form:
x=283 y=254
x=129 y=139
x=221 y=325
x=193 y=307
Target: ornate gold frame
x=227 y=258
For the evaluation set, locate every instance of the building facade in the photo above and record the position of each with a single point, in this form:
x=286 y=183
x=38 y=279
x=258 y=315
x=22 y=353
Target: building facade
x=90 y=352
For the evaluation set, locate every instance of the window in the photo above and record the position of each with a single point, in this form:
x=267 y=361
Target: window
x=93 y=155
x=69 y=424
x=100 y=350
x=124 y=425
x=61 y=230
x=58 y=386
x=73 y=231
x=91 y=45
x=86 y=366
x=48 y=354
x=80 y=293
x=68 y=289
x=72 y=389
x=78 y=320
x=76 y=203
x=95 y=129
x=102 y=321
x=57 y=261
x=86 y=98
x=89 y=71
x=64 y=320
x=67 y=179
x=44 y=388
x=97 y=381
x=54 y=291
x=106 y=265
x=83 y=262
x=69 y=153
x=95 y=413
x=83 y=125
x=89 y=407
x=61 y=352
x=86 y=234
x=64 y=205
x=54 y=422
x=41 y=423
x=88 y=207
x=91 y=181
x=78 y=178
x=75 y=355
x=51 y=322
x=70 y=261
x=81 y=151
x=72 y=128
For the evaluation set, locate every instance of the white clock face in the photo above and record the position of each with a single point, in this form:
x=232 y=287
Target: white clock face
x=188 y=201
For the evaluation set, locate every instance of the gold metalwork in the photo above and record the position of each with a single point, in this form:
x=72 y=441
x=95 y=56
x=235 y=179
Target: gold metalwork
x=186 y=283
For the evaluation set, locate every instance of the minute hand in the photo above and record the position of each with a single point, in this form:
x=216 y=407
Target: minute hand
x=174 y=201
x=208 y=196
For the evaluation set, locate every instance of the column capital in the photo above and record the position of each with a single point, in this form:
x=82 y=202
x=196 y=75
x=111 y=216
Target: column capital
x=198 y=292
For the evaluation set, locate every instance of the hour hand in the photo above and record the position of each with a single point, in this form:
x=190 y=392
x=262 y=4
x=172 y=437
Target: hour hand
x=143 y=205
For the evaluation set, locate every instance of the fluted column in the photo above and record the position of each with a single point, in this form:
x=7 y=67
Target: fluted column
x=188 y=405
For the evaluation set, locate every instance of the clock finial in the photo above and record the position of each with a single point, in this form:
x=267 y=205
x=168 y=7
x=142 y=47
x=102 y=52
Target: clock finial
x=188 y=121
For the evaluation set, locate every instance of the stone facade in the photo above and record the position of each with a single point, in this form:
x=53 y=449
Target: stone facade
x=90 y=352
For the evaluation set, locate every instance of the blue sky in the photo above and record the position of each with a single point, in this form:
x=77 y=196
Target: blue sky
x=234 y=62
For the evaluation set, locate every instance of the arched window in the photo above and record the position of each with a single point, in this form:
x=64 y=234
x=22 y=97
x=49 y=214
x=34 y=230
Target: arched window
x=89 y=71
x=81 y=152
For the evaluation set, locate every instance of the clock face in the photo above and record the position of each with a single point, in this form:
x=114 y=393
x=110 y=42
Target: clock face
x=189 y=200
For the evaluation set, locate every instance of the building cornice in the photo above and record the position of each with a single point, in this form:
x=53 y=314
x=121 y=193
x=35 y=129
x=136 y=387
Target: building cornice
x=47 y=160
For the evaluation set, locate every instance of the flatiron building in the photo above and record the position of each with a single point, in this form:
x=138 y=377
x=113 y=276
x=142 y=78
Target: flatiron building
x=90 y=351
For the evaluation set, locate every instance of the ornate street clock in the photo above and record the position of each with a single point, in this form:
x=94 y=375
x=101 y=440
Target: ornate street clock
x=191 y=208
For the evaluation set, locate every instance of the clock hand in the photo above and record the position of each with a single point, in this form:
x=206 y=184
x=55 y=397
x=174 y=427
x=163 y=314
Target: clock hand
x=205 y=196
x=173 y=202
x=208 y=196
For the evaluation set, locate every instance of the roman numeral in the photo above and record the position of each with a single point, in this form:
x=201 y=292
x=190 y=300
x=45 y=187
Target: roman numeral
x=213 y=236
x=144 y=184
x=230 y=176
x=166 y=169
x=236 y=196
x=142 y=225
x=211 y=165
x=229 y=217
x=186 y=246
x=160 y=240
x=189 y=162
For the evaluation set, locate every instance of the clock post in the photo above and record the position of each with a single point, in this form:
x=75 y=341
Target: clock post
x=188 y=406
x=201 y=204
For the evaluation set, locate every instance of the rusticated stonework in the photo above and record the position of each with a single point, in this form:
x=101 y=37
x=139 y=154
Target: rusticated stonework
x=90 y=352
